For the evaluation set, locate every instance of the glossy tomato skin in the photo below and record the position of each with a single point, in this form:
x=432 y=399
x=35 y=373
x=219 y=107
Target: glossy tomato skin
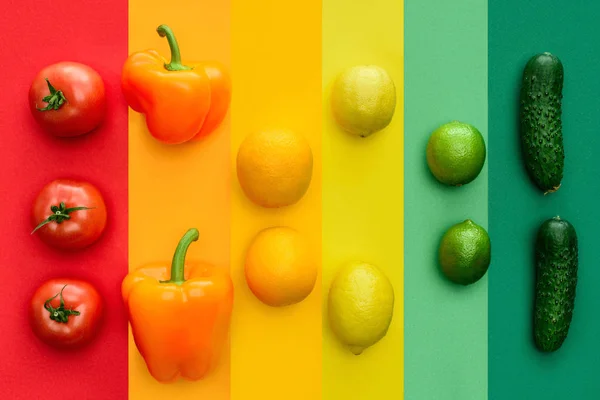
x=85 y=94
x=79 y=330
x=84 y=226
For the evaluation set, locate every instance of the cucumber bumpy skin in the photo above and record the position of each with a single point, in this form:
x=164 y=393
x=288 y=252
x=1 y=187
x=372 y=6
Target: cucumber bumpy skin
x=540 y=121
x=556 y=265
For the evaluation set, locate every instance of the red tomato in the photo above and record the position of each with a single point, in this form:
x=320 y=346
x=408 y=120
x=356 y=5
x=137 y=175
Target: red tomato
x=66 y=313
x=67 y=99
x=69 y=214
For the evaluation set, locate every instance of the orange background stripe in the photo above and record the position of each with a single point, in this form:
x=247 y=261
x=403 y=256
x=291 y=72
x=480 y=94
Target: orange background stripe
x=173 y=188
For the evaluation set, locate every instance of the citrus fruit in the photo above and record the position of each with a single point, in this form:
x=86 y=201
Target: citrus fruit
x=361 y=305
x=280 y=267
x=275 y=167
x=465 y=252
x=456 y=153
x=363 y=99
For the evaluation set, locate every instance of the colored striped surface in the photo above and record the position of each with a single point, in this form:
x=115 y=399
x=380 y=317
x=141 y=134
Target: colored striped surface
x=370 y=199
x=363 y=189
x=445 y=79
x=517 y=31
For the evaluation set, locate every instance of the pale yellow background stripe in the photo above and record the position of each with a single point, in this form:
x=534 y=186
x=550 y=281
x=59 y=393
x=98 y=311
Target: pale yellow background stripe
x=363 y=201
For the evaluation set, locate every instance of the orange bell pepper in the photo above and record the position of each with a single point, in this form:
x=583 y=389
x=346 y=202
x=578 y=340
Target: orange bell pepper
x=181 y=102
x=180 y=321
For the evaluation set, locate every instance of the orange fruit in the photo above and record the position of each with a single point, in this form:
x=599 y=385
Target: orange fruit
x=274 y=167
x=280 y=267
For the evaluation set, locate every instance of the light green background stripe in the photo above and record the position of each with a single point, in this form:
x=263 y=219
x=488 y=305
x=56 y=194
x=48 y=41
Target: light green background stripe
x=446 y=338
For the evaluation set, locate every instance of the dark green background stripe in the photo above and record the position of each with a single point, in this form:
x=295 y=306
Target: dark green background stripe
x=445 y=80
x=517 y=30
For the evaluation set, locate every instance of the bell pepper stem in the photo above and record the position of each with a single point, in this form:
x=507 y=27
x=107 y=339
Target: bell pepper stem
x=175 y=64
x=178 y=263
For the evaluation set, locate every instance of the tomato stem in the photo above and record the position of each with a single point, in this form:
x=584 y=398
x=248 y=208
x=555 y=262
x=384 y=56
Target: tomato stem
x=55 y=99
x=175 y=64
x=60 y=314
x=59 y=214
x=178 y=263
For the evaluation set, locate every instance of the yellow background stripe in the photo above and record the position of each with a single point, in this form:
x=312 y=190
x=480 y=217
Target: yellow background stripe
x=276 y=56
x=363 y=181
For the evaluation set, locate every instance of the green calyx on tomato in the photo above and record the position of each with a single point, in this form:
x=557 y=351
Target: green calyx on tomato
x=55 y=99
x=59 y=314
x=59 y=214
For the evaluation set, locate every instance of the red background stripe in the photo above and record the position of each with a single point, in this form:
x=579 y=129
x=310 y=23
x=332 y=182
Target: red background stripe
x=36 y=34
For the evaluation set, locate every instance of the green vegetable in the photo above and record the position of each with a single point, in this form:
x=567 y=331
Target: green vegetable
x=540 y=121
x=556 y=264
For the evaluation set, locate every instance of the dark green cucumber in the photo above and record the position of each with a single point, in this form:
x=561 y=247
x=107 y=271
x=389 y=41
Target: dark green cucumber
x=556 y=264
x=540 y=121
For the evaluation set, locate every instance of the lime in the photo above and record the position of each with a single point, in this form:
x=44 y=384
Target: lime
x=363 y=99
x=465 y=252
x=361 y=305
x=456 y=153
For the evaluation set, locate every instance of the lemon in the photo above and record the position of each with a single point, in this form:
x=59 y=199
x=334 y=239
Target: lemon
x=360 y=305
x=280 y=267
x=363 y=99
x=274 y=167
x=456 y=153
x=465 y=253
